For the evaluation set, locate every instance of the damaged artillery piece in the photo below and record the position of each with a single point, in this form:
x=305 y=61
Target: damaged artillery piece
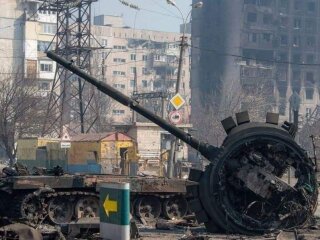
x=241 y=190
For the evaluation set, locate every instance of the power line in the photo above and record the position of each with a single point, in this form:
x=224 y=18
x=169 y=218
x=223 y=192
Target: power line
x=256 y=59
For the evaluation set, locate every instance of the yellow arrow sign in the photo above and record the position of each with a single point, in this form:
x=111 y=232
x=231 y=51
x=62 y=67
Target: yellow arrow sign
x=110 y=205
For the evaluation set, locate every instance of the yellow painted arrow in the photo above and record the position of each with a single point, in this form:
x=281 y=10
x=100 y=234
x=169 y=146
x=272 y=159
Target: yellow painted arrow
x=110 y=205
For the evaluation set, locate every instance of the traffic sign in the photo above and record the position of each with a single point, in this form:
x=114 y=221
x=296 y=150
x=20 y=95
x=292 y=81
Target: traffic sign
x=177 y=101
x=175 y=117
x=65 y=144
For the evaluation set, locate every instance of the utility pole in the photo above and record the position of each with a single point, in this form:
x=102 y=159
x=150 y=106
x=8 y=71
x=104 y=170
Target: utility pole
x=183 y=44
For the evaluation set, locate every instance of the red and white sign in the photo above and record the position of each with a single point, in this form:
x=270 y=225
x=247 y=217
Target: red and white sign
x=175 y=117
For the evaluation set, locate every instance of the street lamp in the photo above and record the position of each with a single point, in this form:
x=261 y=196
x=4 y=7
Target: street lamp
x=183 y=44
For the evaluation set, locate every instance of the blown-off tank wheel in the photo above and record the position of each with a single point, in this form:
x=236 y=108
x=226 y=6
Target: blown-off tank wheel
x=175 y=207
x=148 y=208
x=242 y=190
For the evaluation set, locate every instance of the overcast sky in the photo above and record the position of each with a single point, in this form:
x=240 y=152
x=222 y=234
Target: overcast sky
x=154 y=14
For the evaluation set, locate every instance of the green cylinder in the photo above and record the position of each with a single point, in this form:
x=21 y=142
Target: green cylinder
x=115 y=211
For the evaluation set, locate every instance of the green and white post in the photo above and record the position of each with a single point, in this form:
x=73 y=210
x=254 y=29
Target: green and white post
x=115 y=211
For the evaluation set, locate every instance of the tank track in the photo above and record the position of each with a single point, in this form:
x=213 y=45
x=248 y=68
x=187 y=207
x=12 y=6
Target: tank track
x=61 y=207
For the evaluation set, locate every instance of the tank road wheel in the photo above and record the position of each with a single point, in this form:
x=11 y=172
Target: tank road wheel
x=32 y=209
x=175 y=207
x=87 y=207
x=242 y=190
x=60 y=210
x=148 y=208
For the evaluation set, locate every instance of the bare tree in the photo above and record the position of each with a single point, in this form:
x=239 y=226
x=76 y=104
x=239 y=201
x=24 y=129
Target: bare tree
x=19 y=113
x=255 y=99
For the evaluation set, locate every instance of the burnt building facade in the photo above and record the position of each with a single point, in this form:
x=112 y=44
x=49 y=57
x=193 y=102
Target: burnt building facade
x=271 y=44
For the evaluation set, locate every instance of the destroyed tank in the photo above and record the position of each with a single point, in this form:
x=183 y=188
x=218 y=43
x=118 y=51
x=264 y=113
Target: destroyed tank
x=242 y=190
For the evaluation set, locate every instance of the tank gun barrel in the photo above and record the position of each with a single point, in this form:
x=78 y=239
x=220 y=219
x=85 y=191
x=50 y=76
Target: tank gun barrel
x=205 y=149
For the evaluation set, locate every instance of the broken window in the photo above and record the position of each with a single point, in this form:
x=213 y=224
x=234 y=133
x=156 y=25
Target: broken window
x=252 y=17
x=284 y=40
x=267 y=19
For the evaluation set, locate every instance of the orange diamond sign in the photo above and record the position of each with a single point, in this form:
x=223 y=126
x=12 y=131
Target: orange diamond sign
x=177 y=101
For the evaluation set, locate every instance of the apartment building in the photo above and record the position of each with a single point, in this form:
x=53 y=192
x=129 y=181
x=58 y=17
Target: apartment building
x=272 y=42
x=139 y=61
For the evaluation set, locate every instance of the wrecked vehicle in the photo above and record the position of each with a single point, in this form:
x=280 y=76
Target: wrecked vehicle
x=61 y=198
x=242 y=189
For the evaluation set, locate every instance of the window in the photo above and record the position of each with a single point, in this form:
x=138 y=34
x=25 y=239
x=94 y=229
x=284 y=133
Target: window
x=133 y=57
x=49 y=28
x=311 y=6
x=132 y=83
x=117 y=112
x=104 y=42
x=44 y=46
x=44 y=86
x=118 y=73
x=133 y=70
x=119 y=86
x=297 y=23
x=309 y=93
x=119 y=60
x=144 y=70
x=46 y=67
x=119 y=47
x=144 y=57
x=310 y=59
x=284 y=40
x=309 y=78
x=253 y=37
x=144 y=83
x=252 y=17
x=157 y=57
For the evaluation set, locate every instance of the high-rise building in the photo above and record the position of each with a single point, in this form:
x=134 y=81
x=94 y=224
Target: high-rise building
x=252 y=43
